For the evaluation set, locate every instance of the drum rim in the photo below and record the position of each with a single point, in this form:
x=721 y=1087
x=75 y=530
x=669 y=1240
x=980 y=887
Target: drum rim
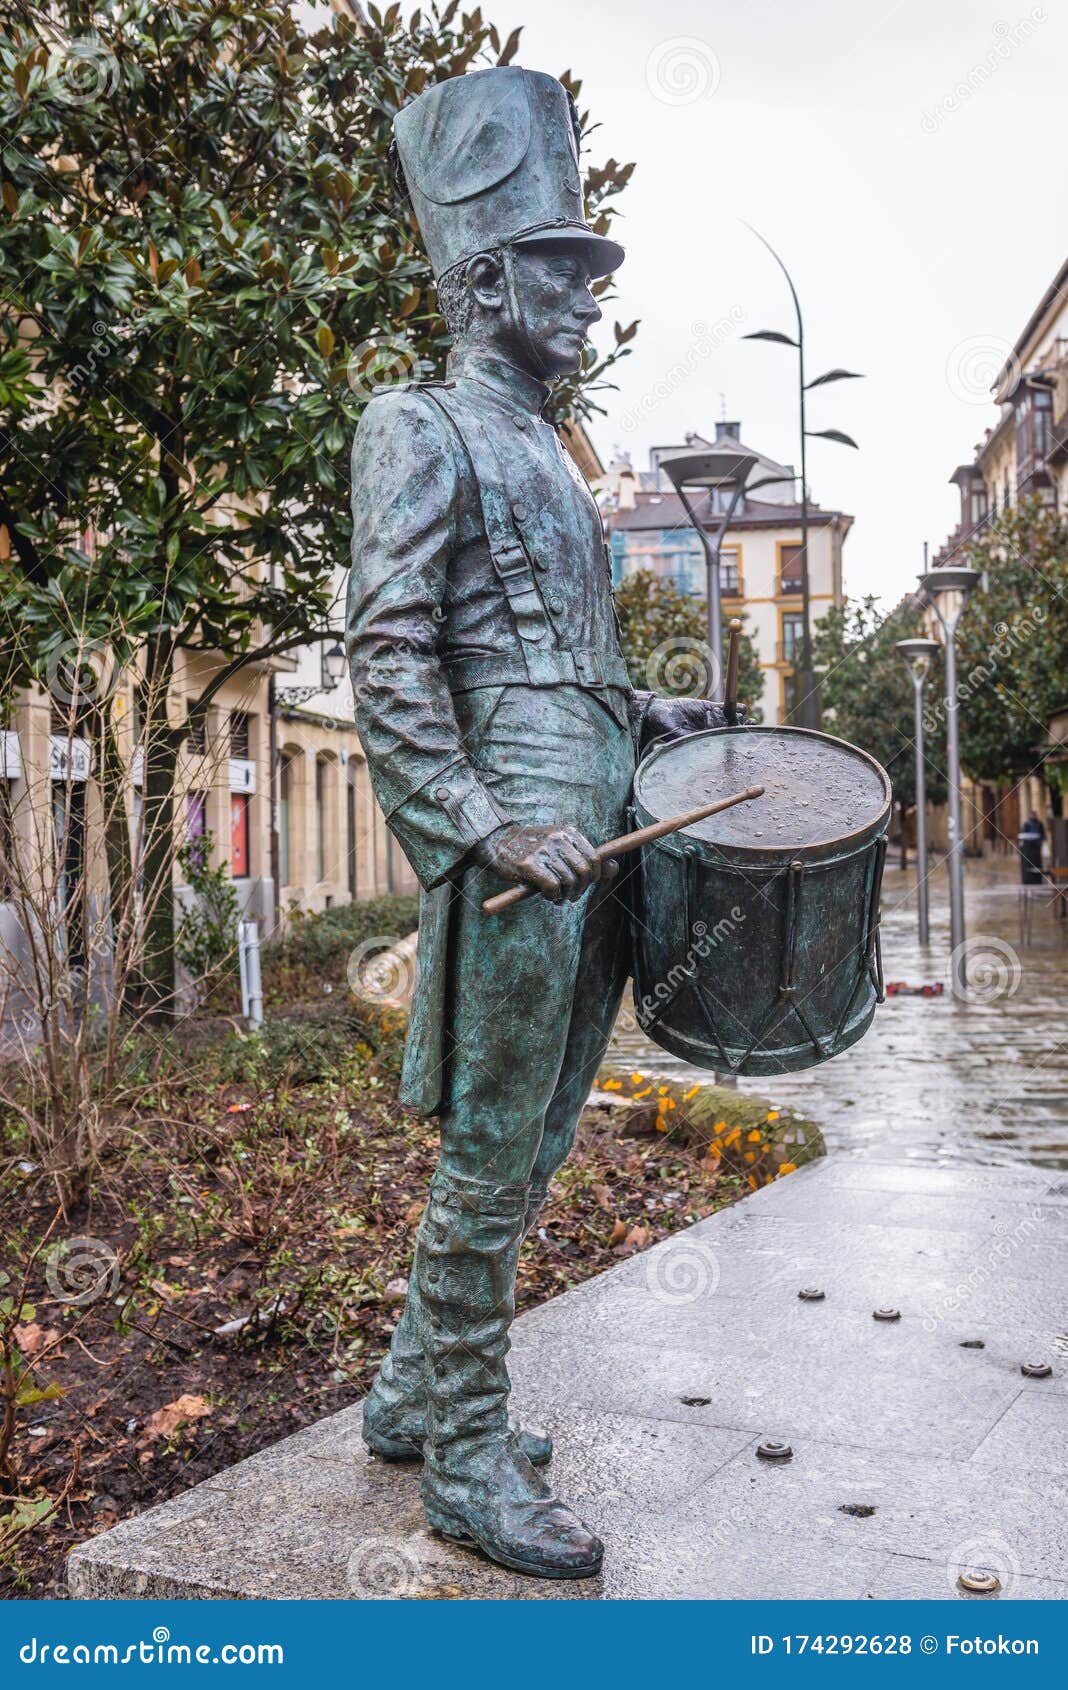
x=869 y=830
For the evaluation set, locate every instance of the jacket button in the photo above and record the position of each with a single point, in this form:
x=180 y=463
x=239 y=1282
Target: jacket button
x=556 y=607
x=520 y=422
x=441 y=794
x=520 y=512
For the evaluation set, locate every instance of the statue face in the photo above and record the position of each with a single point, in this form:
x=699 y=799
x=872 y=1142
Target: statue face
x=558 y=309
x=554 y=298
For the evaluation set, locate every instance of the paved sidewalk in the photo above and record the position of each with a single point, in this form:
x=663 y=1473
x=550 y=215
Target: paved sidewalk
x=914 y=1456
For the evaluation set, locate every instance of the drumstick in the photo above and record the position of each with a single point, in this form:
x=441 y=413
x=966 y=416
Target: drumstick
x=730 y=691
x=630 y=842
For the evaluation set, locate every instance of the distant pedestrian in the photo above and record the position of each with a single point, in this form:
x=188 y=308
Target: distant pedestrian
x=1030 y=841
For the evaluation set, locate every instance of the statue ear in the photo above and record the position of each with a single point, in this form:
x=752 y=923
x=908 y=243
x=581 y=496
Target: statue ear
x=484 y=278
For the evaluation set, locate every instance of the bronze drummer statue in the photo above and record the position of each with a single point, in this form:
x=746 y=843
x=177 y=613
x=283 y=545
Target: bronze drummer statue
x=501 y=733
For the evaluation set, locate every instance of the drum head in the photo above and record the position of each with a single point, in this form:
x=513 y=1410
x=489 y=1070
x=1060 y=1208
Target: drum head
x=819 y=792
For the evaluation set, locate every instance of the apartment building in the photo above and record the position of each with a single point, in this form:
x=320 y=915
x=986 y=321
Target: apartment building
x=760 y=560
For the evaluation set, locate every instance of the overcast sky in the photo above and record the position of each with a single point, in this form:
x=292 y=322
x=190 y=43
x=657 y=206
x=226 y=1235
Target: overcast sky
x=905 y=156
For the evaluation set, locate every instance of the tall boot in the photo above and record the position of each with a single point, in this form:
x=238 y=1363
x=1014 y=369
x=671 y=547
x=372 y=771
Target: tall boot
x=394 y=1411
x=478 y=1486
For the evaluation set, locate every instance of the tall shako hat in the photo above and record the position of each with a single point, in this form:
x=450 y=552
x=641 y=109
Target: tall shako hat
x=490 y=161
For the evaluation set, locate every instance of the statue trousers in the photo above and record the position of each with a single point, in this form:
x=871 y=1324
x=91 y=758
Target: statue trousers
x=533 y=992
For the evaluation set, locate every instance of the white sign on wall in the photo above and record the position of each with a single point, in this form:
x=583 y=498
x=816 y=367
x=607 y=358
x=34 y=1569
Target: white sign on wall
x=242 y=774
x=69 y=757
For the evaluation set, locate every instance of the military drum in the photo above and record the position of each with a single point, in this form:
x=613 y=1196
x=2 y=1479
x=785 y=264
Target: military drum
x=756 y=932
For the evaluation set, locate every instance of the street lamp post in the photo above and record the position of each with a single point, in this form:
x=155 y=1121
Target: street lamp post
x=948 y=589
x=807 y=695
x=726 y=472
x=918 y=654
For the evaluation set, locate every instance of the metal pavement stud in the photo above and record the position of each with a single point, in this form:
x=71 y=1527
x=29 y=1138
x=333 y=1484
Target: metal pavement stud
x=886 y=1314
x=812 y=1294
x=773 y=1449
x=979 y=1582
x=1036 y=1369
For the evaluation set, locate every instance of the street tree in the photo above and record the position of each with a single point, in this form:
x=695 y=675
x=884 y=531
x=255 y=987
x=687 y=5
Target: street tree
x=1012 y=642
x=665 y=641
x=867 y=692
x=205 y=267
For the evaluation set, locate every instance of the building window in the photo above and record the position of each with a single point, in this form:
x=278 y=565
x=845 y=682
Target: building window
x=239 y=836
x=68 y=816
x=240 y=737
x=198 y=733
x=790 y=568
x=350 y=818
x=7 y=840
x=196 y=824
x=320 y=818
x=789 y=695
x=728 y=573
x=284 y=820
x=791 y=638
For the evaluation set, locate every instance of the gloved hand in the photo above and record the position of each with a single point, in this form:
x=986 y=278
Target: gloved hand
x=672 y=718
x=558 y=862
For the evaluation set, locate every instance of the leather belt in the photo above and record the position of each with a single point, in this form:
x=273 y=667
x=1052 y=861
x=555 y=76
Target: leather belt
x=583 y=667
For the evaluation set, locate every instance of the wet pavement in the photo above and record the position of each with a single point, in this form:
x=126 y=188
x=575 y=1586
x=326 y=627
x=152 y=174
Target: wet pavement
x=929 y=1450
x=934 y=1080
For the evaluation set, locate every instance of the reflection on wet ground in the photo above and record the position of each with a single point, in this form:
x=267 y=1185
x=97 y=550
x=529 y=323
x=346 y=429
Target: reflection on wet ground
x=935 y=1080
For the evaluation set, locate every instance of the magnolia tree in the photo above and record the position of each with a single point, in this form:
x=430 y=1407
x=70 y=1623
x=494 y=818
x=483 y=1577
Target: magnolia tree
x=205 y=269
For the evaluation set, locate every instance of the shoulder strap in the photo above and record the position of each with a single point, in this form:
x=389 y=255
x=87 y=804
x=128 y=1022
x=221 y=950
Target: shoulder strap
x=506 y=548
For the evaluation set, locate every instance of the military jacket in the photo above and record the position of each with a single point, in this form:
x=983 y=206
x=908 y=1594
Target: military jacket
x=478 y=559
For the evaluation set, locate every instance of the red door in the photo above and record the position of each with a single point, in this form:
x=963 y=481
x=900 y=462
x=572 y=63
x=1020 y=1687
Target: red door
x=239 y=867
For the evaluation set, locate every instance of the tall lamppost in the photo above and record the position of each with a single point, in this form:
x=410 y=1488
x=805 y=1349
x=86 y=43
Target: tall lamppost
x=807 y=696
x=948 y=589
x=726 y=473
x=918 y=655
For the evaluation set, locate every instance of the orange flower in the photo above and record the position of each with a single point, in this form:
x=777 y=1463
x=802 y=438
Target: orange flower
x=788 y=1168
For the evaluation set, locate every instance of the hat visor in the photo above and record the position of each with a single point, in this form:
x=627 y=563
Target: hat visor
x=603 y=255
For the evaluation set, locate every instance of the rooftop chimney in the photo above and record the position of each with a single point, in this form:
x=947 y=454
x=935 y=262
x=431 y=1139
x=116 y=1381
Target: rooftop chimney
x=728 y=431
